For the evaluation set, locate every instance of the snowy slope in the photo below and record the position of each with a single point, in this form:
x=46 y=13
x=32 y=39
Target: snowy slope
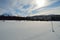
x=29 y=30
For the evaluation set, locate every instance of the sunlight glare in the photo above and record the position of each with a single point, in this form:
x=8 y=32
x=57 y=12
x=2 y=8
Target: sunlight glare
x=40 y=3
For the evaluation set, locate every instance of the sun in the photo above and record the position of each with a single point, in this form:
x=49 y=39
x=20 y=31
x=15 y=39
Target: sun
x=40 y=3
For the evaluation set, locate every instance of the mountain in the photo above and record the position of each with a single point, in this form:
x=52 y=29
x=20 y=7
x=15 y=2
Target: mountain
x=6 y=14
x=31 y=18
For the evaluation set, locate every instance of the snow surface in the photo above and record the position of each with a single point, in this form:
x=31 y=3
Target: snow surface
x=29 y=30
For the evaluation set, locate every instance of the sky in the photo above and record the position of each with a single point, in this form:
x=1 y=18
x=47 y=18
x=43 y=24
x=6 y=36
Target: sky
x=29 y=7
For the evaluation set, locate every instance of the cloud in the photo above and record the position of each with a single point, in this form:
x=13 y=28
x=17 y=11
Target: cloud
x=54 y=11
x=45 y=9
x=24 y=7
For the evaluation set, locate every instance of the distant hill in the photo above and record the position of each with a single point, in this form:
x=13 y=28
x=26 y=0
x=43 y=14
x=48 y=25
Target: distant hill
x=32 y=18
x=44 y=18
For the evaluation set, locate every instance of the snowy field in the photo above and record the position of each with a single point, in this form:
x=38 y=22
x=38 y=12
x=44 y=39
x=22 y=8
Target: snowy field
x=29 y=30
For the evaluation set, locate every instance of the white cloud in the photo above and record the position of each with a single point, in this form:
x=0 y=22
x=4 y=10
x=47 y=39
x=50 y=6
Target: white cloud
x=18 y=4
x=54 y=11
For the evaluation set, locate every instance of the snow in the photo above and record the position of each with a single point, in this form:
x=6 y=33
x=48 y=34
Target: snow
x=29 y=30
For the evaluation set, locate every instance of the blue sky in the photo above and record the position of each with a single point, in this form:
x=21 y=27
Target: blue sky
x=29 y=7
